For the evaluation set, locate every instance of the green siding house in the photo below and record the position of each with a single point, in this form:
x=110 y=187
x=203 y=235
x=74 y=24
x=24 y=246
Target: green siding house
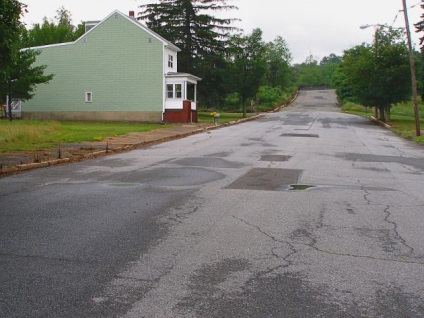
x=119 y=70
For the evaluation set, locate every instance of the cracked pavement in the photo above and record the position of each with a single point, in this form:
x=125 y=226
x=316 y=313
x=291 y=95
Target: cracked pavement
x=307 y=212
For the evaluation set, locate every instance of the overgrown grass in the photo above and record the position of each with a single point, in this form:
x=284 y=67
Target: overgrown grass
x=357 y=109
x=407 y=109
x=402 y=118
x=207 y=117
x=36 y=135
x=405 y=127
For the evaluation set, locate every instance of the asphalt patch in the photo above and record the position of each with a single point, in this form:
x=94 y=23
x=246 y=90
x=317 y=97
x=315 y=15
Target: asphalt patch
x=300 y=135
x=416 y=163
x=207 y=162
x=267 y=179
x=275 y=158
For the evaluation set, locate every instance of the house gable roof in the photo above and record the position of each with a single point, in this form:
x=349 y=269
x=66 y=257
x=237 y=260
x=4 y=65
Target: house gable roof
x=165 y=42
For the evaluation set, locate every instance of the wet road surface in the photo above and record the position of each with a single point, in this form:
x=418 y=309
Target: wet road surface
x=307 y=212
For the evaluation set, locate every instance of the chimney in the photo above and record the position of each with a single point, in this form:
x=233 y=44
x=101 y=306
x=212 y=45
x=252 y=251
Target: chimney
x=131 y=14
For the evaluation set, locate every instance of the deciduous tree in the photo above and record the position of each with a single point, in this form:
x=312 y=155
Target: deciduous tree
x=23 y=77
x=308 y=73
x=59 y=30
x=328 y=66
x=379 y=74
x=10 y=28
x=278 y=58
x=248 y=65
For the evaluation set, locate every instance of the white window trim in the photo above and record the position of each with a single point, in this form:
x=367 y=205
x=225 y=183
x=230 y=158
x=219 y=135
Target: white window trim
x=170 y=91
x=88 y=97
x=174 y=91
x=180 y=91
x=170 y=61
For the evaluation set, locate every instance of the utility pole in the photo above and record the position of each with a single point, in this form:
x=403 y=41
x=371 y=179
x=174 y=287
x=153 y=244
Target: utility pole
x=413 y=76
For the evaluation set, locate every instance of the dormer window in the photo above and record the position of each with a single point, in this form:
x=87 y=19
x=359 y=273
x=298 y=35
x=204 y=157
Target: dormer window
x=170 y=61
x=90 y=24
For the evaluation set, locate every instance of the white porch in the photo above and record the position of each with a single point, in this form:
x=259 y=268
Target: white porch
x=180 y=100
x=180 y=87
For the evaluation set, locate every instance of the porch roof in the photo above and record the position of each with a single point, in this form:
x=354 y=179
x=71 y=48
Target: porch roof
x=184 y=76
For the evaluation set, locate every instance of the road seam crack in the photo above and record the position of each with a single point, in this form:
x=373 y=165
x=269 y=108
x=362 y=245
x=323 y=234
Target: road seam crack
x=292 y=249
x=313 y=246
x=395 y=230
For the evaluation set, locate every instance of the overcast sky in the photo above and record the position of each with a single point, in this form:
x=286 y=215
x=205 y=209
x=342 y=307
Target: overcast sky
x=310 y=27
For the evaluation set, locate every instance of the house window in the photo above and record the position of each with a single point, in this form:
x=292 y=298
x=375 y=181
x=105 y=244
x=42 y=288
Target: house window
x=174 y=91
x=170 y=91
x=170 y=61
x=88 y=97
x=178 y=91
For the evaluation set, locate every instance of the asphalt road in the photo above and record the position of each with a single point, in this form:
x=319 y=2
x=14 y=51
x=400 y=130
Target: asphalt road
x=307 y=212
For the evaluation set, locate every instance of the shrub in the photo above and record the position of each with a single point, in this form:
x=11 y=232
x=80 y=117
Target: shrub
x=233 y=103
x=269 y=96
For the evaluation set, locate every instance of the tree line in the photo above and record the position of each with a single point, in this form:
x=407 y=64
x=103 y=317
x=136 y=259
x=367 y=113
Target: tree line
x=378 y=74
x=18 y=74
x=233 y=66
x=236 y=68
x=240 y=72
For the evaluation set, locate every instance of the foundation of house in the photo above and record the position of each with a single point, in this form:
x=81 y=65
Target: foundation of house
x=145 y=116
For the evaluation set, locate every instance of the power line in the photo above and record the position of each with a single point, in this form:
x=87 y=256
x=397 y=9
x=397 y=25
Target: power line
x=413 y=6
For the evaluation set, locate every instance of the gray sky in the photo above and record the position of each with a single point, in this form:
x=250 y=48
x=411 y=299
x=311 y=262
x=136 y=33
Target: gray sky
x=309 y=26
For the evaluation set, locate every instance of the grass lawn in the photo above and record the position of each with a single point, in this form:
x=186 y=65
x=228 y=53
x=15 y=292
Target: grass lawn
x=31 y=135
x=402 y=118
x=36 y=135
x=206 y=117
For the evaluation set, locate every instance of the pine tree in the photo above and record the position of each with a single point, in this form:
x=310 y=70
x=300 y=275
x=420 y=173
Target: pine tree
x=419 y=27
x=187 y=24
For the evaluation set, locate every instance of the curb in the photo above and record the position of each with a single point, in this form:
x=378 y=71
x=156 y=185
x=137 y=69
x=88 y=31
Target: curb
x=28 y=166
x=380 y=122
x=284 y=105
